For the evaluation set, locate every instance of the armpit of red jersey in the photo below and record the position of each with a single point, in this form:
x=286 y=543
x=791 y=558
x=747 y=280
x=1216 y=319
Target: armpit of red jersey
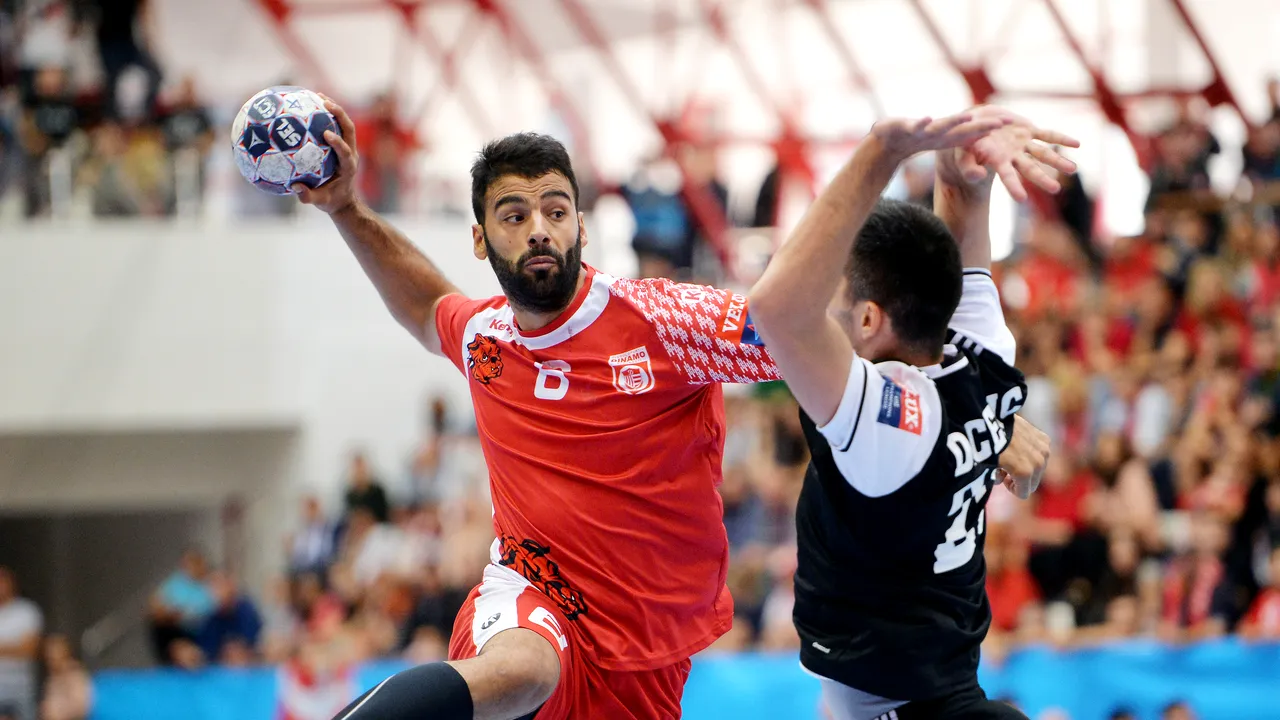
x=707 y=332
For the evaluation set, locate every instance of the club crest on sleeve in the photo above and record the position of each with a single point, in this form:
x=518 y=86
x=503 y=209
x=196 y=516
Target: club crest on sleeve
x=632 y=371
x=484 y=359
x=900 y=408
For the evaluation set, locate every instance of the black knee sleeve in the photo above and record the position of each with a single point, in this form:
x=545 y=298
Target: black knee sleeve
x=433 y=691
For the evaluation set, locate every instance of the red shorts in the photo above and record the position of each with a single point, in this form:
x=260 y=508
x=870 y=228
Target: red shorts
x=504 y=600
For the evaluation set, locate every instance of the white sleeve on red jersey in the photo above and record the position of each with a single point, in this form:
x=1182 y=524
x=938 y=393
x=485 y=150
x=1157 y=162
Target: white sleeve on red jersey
x=886 y=426
x=707 y=332
x=980 y=318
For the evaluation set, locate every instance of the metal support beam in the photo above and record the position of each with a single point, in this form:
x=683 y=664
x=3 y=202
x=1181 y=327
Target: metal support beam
x=1106 y=98
x=702 y=204
x=279 y=13
x=859 y=80
x=447 y=61
x=1217 y=92
x=525 y=47
x=974 y=74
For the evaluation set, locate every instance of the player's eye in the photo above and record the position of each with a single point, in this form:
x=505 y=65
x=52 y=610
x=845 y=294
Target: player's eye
x=558 y=214
x=515 y=219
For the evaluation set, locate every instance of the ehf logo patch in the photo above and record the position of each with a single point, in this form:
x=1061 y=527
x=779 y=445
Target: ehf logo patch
x=632 y=371
x=900 y=408
x=735 y=322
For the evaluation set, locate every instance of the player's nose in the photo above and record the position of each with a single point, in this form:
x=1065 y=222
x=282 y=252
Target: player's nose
x=538 y=234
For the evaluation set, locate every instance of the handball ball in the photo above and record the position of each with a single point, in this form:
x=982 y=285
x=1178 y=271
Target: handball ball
x=278 y=139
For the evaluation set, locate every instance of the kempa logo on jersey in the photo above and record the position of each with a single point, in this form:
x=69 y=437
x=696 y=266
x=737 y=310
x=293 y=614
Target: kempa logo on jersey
x=632 y=371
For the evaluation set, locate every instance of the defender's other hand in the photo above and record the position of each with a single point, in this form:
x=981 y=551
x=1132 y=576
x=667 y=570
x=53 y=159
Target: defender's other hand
x=340 y=192
x=1016 y=152
x=899 y=139
x=1023 y=462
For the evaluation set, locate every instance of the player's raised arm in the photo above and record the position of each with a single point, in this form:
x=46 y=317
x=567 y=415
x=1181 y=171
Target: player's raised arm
x=789 y=303
x=408 y=282
x=1017 y=153
x=962 y=191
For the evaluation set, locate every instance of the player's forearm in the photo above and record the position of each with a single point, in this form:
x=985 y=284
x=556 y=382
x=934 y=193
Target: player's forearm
x=800 y=281
x=965 y=208
x=408 y=282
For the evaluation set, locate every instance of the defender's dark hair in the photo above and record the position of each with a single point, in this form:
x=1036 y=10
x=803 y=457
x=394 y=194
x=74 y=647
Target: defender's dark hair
x=528 y=155
x=906 y=261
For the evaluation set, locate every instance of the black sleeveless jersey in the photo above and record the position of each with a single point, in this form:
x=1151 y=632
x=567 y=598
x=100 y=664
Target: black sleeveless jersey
x=890 y=586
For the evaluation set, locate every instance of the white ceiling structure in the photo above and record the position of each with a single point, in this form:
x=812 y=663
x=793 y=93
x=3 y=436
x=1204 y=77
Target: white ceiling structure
x=624 y=80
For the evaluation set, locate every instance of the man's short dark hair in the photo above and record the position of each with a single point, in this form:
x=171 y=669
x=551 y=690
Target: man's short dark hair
x=528 y=155
x=906 y=261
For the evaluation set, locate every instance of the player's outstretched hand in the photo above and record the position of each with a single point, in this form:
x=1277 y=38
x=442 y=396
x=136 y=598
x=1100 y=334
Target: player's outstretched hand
x=340 y=192
x=1023 y=462
x=1018 y=152
x=900 y=139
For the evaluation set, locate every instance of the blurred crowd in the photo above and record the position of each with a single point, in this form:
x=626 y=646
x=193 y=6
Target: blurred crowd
x=1152 y=361
x=90 y=121
x=380 y=572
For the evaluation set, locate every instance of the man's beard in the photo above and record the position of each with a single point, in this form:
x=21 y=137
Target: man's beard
x=545 y=290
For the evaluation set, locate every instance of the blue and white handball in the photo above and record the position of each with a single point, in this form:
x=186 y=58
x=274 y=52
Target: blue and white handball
x=278 y=139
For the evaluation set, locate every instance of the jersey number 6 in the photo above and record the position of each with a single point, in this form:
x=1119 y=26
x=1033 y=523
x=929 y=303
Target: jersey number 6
x=552 y=383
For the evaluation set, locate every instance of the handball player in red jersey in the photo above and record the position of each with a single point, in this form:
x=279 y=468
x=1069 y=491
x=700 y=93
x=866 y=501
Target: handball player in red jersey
x=599 y=407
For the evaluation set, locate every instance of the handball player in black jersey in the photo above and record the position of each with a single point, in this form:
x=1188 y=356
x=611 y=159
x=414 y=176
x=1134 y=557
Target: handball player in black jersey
x=886 y=323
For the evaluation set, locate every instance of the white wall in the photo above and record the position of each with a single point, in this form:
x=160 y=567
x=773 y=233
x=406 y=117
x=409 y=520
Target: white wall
x=135 y=326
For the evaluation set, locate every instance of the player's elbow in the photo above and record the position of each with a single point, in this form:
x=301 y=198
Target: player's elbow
x=767 y=305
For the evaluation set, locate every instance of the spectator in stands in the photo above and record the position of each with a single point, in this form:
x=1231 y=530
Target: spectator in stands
x=125 y=39
x=365 y=491
x=188 y=136
x=777 y=630
x=662 y=241
x=1263 y=619
x=384 y=164
x=49 y=121
x=429 y=467
x=230 y=633
x=21 y=624
x=370 y=548
x=313 y=546
x=281 y=623
x=1197 y=595
x=743 y=510
x=180 y=606
x=1010 y=587
x=44 y=30
x=10 y=146
x=430 y=623
x=68 y=689
x=115 y=187
x=1177 y=710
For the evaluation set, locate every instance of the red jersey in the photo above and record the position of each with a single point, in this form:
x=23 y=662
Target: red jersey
x=604 y=433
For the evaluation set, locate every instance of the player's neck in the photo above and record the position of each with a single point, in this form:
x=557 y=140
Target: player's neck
x=915 y=358
x=534 y=320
